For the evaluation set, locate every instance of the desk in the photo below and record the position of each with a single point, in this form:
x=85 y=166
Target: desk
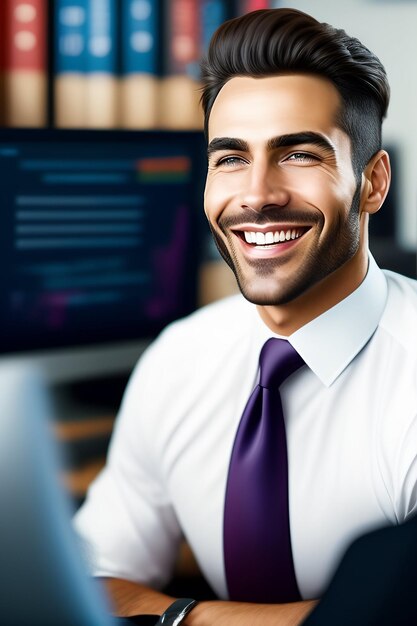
x=84 y=444
x=93 y=435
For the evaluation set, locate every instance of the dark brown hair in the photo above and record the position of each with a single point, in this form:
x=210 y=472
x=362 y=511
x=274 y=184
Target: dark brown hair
x=274 y=41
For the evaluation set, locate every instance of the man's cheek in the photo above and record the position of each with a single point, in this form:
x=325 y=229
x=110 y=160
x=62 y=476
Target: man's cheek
x=213 y=208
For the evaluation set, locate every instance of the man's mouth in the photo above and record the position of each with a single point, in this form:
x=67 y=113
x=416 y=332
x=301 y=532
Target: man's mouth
x=270 y=237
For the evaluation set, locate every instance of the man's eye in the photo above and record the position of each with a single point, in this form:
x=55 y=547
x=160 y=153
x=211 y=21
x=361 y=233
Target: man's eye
x=302 y=157
x=230 y=161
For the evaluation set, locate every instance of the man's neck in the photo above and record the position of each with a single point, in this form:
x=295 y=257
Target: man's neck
x=286 y=319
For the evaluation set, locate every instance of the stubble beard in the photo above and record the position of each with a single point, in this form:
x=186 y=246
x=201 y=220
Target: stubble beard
x=340 y=245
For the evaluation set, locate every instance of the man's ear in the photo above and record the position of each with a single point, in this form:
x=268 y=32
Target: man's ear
x=376 y=180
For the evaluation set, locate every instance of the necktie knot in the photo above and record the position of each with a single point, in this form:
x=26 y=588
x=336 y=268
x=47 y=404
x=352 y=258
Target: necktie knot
x=278 y=360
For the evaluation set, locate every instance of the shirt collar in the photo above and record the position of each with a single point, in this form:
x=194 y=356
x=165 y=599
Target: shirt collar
x=330 y=342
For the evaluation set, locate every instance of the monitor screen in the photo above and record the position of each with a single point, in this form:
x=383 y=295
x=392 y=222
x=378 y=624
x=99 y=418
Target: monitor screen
x=99 y=235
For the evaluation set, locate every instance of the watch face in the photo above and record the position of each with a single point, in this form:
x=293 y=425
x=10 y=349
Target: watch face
x=177 y=612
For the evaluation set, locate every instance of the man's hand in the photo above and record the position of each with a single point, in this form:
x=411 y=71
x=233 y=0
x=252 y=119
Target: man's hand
x=133 y=599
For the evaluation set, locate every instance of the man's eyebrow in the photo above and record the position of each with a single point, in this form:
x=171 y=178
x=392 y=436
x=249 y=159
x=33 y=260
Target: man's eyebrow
x=283 y=141
x=296 y=139
x=227 y=143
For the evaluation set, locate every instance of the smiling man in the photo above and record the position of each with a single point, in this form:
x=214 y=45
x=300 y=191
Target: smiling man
x=282 y=199
x=269 y=492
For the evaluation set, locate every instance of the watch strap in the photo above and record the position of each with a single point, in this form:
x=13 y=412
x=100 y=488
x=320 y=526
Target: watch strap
x=177 y=612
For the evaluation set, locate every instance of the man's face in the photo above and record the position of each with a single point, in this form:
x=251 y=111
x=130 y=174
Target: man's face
x=281 y=196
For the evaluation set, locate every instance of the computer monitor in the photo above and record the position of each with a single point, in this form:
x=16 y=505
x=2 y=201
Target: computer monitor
x=44 y=578
x=99 y=244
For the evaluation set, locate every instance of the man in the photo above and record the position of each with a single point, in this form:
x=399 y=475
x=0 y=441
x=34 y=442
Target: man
x=293 y=112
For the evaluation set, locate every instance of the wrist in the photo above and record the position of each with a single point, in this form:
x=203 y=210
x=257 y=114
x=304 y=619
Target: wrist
x=177 y=612
x=201 y=615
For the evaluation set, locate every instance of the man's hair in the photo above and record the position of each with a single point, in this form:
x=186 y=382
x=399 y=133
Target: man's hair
x=281 y=41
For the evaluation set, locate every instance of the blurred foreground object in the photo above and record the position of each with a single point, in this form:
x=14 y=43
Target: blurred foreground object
x=375 y=584
x=42 y=579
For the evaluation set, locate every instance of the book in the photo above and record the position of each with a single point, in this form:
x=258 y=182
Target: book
x=25 y=62
x=2 y=63
x=180 y=84
x=70 y=81
x=246 y=6
x=102 y=105
x=213 y=13
x=140 y=52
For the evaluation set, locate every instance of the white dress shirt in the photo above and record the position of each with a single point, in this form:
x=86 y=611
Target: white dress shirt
x=351 y=419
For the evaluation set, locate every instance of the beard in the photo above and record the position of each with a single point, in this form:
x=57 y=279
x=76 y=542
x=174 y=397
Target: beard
x=255 y=277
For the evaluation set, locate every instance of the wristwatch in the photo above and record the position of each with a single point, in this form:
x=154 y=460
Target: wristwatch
x=176 y=612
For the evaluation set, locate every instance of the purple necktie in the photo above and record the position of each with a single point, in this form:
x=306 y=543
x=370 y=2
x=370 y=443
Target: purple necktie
x=257 y=542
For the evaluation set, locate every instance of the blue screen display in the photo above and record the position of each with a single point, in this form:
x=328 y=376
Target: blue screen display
x=99 y=237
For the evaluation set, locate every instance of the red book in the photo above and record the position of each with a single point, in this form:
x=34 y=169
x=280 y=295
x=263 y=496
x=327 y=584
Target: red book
x=183 y=37
x=246 y=6
x=2 y=34
x=179 y=93
x=2 y=62
x=25 y=27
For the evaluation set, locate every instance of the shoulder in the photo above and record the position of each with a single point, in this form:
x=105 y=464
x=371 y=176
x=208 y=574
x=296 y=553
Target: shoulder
x=222 y=321
x=396 y=393
x=184 y=362
x=397 y=355
x=401 y=285
x=185 y=344
x=399 y=318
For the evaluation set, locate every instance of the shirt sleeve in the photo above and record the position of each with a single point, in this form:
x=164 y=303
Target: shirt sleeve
x=127 y=523
x=406 y=470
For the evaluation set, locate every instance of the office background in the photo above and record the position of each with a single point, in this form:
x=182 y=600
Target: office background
x=47 y=81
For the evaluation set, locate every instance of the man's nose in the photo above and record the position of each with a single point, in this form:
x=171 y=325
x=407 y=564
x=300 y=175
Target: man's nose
x=264 y=186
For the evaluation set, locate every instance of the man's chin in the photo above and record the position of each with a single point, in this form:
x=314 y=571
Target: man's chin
x=273 y=290
x=263 y=294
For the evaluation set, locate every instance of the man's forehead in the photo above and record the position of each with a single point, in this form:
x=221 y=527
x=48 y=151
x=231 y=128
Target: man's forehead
x=242 y=86
x=274 y=105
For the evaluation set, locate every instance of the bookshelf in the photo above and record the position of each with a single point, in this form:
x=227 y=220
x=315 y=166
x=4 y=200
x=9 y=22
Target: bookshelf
x=106 y=63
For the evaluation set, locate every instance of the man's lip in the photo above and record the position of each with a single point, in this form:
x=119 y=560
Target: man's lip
x=255 y=228
x=270 y=249
x=277 y=230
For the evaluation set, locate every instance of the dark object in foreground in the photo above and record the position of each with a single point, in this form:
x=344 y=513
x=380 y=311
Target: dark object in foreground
x=375 y=584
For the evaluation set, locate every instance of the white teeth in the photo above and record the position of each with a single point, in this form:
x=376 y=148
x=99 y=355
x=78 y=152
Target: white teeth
x=265 y=239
